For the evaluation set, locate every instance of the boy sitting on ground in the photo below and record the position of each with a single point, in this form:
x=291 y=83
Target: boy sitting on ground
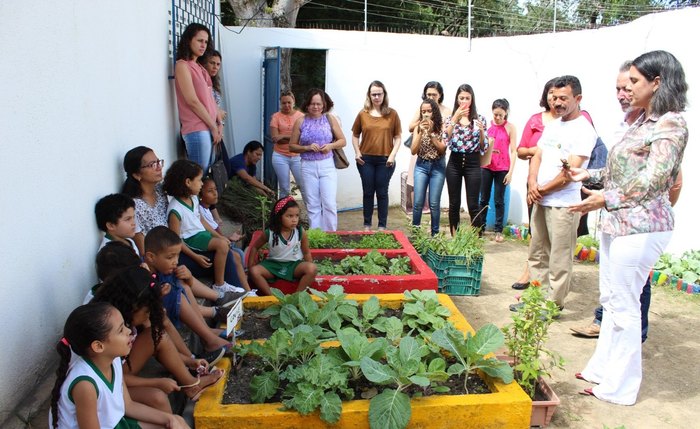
x=115 y=217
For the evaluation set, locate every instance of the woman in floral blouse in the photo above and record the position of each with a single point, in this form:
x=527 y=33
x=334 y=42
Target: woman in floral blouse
x=466 y=138
x=638 y=220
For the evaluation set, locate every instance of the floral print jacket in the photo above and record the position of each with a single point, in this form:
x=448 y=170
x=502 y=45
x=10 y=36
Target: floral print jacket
x=639 y=173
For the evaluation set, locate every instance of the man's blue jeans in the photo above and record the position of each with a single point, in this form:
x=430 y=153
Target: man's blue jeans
x=428 y=175
x=645 y=302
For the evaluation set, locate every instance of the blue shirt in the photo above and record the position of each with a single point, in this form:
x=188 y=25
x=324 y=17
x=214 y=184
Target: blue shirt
x=237 y=163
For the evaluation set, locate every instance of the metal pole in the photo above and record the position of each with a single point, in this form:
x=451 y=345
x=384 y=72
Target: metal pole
x=469 y=26
x=365 y=16
x=554 y=23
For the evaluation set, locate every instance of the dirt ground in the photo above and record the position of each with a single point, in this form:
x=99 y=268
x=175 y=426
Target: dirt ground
x=671 y=354
x=670 y=390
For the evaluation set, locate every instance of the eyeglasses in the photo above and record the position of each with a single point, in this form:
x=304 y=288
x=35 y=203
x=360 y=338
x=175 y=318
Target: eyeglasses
x=154 y=164
x=377 y=95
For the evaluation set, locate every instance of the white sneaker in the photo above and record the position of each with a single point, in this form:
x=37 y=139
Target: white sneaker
x=225 y=287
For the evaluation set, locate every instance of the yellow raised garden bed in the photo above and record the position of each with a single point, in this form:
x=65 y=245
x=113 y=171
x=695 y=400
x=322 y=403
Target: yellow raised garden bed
x=508 y=406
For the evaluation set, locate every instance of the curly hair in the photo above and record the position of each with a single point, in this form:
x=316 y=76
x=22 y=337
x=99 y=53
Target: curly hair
x=183 y=47
x=174 y=181
x=671 y=94
x=472 y=108
x=132 y=289
x=275 y=223
x=132 y=165
x=85 y=324
x=327 y=102
x=436 y=116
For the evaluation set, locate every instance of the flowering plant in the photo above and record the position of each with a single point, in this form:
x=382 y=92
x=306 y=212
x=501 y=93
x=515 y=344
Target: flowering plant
x=526 y=337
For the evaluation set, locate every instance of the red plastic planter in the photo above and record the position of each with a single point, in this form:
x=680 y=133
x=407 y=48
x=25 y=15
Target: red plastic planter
x=422 y=278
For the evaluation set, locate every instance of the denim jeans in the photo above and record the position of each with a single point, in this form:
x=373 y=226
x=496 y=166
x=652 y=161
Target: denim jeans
x=199 y=146
x=428 y=175
x=487 y=178
x=375 y=177
x=644 y=300
x=467 y=166
x=319 y=192
x=283 y=165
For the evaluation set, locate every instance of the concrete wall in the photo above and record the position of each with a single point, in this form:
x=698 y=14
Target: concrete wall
x=514 y=67
x=81 y=82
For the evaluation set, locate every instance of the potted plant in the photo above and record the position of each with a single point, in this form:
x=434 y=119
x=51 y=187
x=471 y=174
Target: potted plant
x=531 y=359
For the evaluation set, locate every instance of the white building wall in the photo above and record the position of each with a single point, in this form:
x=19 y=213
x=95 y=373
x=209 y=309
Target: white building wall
x=81 y=82
x=512 y=67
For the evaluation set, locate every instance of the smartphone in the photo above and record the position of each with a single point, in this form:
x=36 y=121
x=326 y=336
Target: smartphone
x=426 y=116
x=565 y=164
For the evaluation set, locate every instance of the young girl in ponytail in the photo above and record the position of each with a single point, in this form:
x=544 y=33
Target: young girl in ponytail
x=90 y=390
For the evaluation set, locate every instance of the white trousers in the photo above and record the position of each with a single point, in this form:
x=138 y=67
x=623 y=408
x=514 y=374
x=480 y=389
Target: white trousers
x=616 y=364
x=282 y=165
x=320 y=185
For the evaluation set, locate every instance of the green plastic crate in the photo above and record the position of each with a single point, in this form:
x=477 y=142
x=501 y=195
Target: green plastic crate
x=439 y=263
x=461 y=279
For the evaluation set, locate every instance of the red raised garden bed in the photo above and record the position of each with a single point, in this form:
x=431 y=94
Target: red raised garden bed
x=422 y=278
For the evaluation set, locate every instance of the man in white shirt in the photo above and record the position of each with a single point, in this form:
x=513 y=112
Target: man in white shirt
x=566 y=142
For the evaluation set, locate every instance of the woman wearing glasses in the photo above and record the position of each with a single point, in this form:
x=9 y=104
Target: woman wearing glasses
x=379 y=128
x=144 y=177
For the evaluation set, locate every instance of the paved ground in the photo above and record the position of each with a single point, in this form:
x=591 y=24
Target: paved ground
x=670 y=391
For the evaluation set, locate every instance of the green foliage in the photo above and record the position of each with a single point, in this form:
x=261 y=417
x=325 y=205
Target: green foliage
x=470 y=352
x=319 y=239
x=243 y=204
x=354 y=346
x=686 y=267
x=526 y=337
x=588 y=241
x=466 y=242
x=423 y=312
x=373 y=263
x=403 y=367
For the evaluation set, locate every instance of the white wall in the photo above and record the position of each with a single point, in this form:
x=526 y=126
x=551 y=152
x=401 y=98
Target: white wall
x=515 y=68
x=81 y=82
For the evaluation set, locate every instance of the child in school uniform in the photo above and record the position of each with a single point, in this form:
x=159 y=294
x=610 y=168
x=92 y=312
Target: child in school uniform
x=114 y=215
x=289 y=256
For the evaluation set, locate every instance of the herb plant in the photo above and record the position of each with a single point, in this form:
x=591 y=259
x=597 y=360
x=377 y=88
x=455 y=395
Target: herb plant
x=374 y=263
x=423 y=312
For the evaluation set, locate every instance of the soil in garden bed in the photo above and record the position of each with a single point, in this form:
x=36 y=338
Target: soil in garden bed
x=257 y=326
x=238 y=384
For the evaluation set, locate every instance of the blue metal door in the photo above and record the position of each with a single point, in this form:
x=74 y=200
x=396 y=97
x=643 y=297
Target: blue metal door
x=271 y=92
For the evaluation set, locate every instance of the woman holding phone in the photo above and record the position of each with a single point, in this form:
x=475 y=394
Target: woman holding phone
x=466 y=138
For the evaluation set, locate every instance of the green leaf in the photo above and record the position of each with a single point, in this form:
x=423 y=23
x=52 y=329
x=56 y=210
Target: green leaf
x=307 y=305
x=437 y=364
x=376 y=372
x=456 y=369
x=281 y=297
x=410 y=349
x=331 y=406
x=371 y=308
x=390 y=409
x=487 y=340
x=264 y=386
x=498 y=369
x=305 y=400
x=440 y=389
x=420 y=380
x=290 y=316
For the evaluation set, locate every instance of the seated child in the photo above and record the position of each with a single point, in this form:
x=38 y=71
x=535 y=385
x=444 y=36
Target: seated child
x=183 y=181
x=137 y=295
x=162 y=248
x=288 y=256
x=115 y=217
x=82 y=397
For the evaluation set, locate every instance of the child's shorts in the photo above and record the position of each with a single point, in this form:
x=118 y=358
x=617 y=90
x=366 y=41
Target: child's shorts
x=128 y=423
x=281 y=269
x=199 y=241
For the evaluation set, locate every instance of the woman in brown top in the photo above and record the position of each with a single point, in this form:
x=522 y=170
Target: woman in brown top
x=429 y=146
x=380 y=128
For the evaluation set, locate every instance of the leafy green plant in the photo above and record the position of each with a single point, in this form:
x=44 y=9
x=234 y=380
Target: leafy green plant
x=404 y=367
x=370 y=311
x=354 y=346
x=466 y=242
x=423 y=312
x=378 y=240
x=373 y=263
x=686 y=267
x=275 y=354
x=319 y=239
x=526 y=337
x=470 y=352
x=588 y=241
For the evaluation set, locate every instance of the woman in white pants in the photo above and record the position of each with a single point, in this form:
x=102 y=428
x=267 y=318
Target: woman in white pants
x=283 y=160
x=315 y=135
x=638 y=220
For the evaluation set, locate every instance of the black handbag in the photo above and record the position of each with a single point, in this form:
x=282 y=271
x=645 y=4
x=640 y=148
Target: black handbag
x=217 y=169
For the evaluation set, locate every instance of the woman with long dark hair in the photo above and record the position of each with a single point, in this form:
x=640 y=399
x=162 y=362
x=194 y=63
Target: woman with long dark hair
x=466 y=139
x=199 y=123
x=637 y=223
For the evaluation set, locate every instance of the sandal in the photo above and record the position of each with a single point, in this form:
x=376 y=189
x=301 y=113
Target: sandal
x=194 y=391
x=499 y=237
x=587 y=392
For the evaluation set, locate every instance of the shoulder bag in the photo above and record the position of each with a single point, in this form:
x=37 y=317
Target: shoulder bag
x=339 y=158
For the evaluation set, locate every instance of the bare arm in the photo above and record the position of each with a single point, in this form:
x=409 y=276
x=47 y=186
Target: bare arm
x=675 y=192
x=294 y=145
x=305 y=248
x=183 y=79
x=174 y=224
x=512 y=132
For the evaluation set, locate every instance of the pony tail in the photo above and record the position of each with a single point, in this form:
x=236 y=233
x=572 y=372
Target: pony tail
x=61 y=372
x=131 y=187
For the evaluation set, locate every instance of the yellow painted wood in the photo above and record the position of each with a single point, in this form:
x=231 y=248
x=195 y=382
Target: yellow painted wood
x=508 y=406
